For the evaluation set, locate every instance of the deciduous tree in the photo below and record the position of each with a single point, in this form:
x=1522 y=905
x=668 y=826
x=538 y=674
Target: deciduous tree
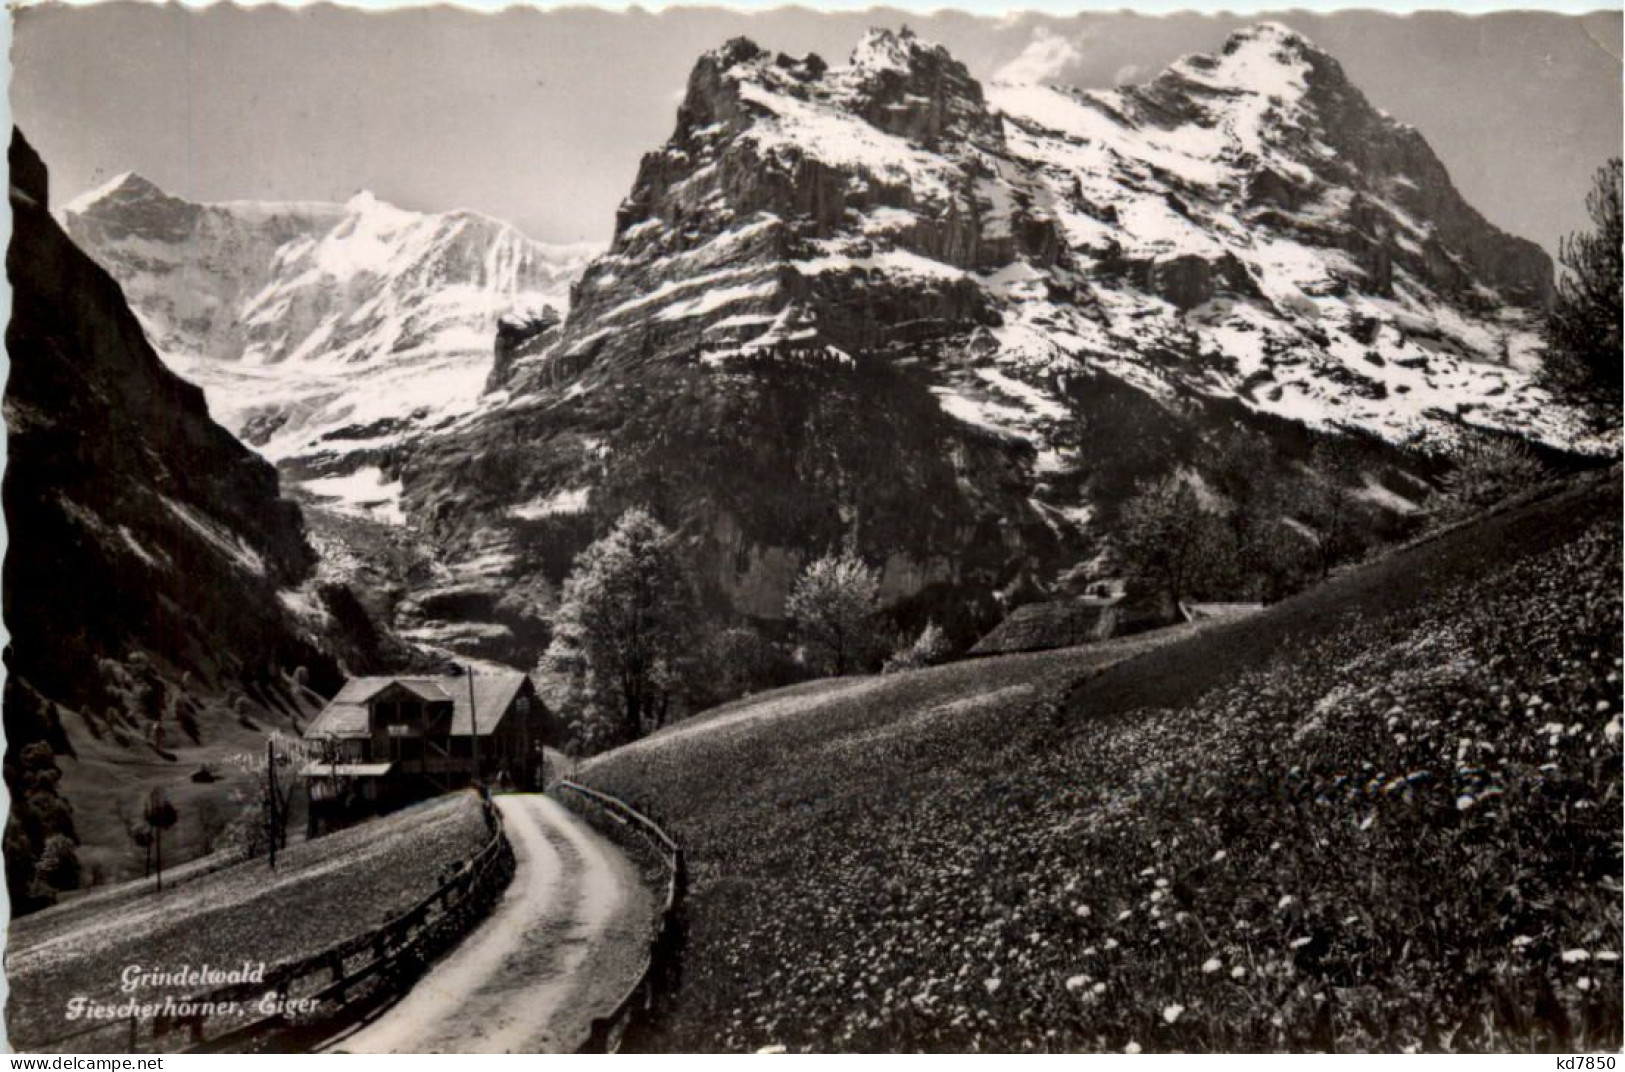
x=158 y=814
x=1161 y=535
x=833 y=606
x=625 y=615
x=1487 y=470
x=1329 y=502
x=1583 y=327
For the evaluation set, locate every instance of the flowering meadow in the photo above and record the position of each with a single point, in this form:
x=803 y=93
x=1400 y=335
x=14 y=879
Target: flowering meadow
x=1383 y=815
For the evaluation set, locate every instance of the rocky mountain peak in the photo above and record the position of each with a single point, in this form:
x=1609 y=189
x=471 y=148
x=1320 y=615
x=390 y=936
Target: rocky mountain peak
x=916 y=90
x=895 y=81
x=1237 y=190
x=1266 y=60
x=1280 y=43
x=363 y=201
x=130 y=202
x=122 y=189
x=883 y=49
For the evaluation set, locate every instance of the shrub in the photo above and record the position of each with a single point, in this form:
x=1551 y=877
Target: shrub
x=58 y=865
x=1487 y=471
x=928 y=649
x=733 y=662
x=1583 y=326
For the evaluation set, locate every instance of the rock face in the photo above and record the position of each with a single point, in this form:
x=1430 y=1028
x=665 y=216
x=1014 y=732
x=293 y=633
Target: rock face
x=147 y=554
x=134 y=518
x=882 y=304
x=187 y=269
x=323 y=334
x=1248 y=211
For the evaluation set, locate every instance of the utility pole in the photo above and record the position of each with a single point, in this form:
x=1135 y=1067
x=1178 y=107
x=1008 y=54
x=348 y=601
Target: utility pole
x=473 y=724
x=270 y=799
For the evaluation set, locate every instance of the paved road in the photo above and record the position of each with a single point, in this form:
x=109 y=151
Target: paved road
x=560 y=948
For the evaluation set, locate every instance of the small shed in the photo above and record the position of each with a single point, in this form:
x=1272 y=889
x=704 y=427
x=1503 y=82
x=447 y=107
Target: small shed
x=1060 y=623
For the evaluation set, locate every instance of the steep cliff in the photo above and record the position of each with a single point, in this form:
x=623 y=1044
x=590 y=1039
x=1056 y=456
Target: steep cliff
x=885 y=305
x=159 y=591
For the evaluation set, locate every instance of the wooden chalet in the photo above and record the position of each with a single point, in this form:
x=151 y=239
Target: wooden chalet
x=384 y=741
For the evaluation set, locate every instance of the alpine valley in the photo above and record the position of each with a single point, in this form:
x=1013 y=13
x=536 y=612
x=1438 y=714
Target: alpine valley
x=969 y=565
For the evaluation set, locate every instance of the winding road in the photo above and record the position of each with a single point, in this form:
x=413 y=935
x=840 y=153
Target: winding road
x=559 y=949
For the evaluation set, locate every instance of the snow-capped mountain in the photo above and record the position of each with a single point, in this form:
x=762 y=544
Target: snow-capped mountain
x=322 y=333
x=1247 y=214
x=187 y=268
x=881 y=304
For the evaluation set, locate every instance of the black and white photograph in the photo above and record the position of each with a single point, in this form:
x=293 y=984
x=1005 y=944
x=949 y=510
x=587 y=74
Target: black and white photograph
x=803 y=530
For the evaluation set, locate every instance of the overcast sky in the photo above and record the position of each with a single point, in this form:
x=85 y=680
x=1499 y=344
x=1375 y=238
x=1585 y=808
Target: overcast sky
x=539 y=117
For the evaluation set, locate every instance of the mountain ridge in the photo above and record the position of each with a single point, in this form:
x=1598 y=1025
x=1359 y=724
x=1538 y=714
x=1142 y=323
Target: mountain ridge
x=322 y=332
x=740 y=95
x=1041 y=295
x=886 y=306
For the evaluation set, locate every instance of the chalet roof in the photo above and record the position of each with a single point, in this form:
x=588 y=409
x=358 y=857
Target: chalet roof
x=494 y=692
x=358 y=690
x=339 y=720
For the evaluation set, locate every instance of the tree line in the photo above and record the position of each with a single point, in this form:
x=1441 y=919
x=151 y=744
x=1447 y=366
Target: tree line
x=632 y=650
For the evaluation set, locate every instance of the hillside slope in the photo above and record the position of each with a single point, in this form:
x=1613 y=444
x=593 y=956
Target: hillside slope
x=1384 y=813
